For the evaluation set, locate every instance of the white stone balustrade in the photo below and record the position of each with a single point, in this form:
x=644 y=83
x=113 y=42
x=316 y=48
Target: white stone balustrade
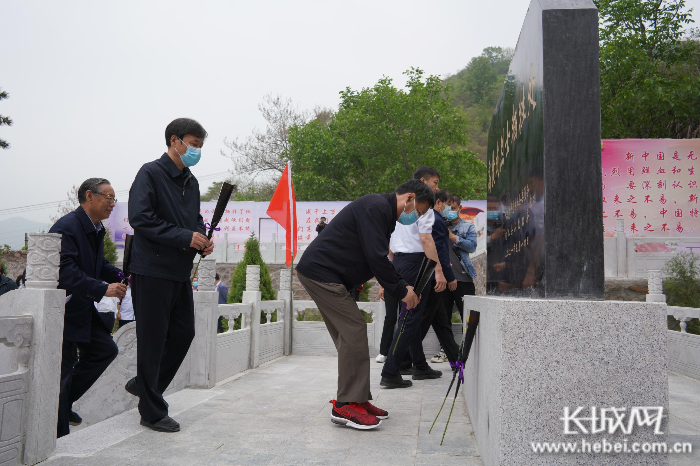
x=684 y=347
x=656 y=289
x=31 y=330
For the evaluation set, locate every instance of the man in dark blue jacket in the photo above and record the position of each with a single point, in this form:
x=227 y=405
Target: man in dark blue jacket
x=83 y=273
x=6 y=283
x=353 y=250
x=168 y=232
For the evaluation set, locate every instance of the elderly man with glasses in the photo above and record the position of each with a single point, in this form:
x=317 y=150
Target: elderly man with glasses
x=87 y=277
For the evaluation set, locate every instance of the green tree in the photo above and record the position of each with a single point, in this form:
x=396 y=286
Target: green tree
x=476 y=89
x=379 y=136
x=251 y=256
x=649 y=74
x=110 y=249
x=481 y=78
x=245 y=190
x=4 y=121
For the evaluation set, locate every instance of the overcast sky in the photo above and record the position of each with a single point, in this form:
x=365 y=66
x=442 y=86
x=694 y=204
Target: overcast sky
x=94 y=84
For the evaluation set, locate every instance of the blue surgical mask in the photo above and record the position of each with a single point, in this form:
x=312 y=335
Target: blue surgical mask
x=446 y=211
x=452 y=215
x=191 y=157
x=409 y=219
x=195 y=284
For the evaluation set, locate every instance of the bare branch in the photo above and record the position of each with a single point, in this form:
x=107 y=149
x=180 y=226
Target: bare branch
x=267 y=151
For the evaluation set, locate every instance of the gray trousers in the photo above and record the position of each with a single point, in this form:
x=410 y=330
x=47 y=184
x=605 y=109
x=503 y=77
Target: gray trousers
x=348 y=330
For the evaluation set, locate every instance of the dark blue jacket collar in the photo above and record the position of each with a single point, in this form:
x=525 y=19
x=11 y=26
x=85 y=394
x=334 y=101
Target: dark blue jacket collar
x=169 y=165
x=85 y=221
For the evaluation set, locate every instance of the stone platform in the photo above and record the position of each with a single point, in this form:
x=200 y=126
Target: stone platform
x=279 y=414
x=533 y=358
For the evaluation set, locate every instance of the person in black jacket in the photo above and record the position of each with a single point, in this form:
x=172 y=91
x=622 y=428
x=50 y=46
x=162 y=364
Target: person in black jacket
x=321 y=225
x=83 y=272
x=6 y=283
x=353 y=250
x=168 y=232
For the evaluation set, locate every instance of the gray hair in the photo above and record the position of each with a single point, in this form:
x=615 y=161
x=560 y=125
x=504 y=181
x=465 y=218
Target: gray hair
x=91 y=184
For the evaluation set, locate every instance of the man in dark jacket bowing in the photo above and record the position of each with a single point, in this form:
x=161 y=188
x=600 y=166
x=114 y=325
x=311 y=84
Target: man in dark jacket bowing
x=168 y=232
x=353 y=250
x=83 y=273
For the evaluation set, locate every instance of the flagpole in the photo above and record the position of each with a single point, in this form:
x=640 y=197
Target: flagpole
x=291 y=265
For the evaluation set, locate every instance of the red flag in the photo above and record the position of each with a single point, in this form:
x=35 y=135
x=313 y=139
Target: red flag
x=283 y=210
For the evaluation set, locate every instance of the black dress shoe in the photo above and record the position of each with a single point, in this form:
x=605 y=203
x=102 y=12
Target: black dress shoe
x=74 y=419
x=166 y=424
x=132 y=387
x=429 y=373
x=395 y=382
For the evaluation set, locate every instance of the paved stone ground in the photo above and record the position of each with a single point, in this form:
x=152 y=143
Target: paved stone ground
x=279 y=415
x=684 y=418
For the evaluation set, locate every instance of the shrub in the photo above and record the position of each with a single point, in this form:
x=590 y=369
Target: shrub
x=252 y=256
x=682 y=287
x=110 y=249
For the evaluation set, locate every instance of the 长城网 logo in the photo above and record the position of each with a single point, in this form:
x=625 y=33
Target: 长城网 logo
x=612 y=420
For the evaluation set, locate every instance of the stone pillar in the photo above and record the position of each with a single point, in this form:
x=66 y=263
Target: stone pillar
x=43 y=260
x=285 y=294
x=253 y=296
x=621 y=248
x=202 y=352
x=46 y=305
x=656 y=288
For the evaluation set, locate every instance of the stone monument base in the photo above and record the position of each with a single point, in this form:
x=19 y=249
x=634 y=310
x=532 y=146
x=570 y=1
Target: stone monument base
x=533 y=358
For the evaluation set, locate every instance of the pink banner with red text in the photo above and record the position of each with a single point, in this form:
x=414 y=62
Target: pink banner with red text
x=653 y=184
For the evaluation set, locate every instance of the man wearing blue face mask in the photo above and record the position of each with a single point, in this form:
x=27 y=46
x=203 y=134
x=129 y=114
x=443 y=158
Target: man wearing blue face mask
x=353 y=250
x=168 y=232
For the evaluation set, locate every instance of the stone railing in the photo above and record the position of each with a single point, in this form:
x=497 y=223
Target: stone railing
x=212 y=357
x=313 y=339
x=623 y=260
x=31 y=326
x=684 y=347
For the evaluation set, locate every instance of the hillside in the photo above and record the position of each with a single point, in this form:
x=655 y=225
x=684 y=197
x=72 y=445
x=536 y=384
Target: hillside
x=12 y=230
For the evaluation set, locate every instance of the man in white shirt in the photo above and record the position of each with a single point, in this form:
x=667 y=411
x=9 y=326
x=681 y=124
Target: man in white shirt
x=126 y=311
x=107 y=308
x=409 y=245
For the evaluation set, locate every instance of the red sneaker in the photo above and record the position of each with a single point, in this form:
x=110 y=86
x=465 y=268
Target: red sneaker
x=354 y=415
x=371 y=409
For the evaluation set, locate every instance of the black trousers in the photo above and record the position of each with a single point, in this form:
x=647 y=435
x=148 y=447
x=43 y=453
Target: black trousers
x=434 y=314
x=123 y=322
x=78 y=373
x=164 y=313
x=407 y=265
x=108 y=318
x=455 y=297
x=391 y=304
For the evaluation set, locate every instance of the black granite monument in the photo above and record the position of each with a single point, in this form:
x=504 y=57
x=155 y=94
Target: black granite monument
x=545 y=211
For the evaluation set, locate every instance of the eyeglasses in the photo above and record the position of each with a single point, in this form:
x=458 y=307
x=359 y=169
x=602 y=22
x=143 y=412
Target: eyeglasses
x=110 y=199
